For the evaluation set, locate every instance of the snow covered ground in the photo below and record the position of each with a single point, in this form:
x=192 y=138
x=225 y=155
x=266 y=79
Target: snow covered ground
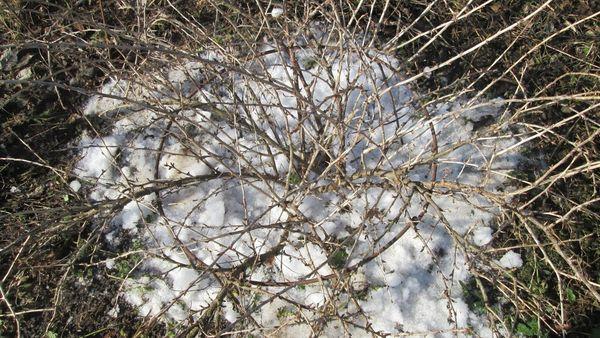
x=293 y=196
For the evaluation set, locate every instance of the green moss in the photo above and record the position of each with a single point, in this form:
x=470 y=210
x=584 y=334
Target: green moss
x=308 y=63
x=530 y=328
x=294 y=178
x=285 y=312
x=338 y=259
x=125 y=266
x=473 y=296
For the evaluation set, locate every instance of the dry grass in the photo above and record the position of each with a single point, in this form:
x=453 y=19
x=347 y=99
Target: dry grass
x=541 y=57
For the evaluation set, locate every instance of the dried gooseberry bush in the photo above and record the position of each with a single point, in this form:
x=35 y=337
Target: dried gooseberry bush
x=321 y=171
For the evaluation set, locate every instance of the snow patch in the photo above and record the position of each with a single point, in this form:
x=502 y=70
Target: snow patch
x=482 y=235
x=208 y=193
x=511 y=260
x=277 y=12
x=75 y=185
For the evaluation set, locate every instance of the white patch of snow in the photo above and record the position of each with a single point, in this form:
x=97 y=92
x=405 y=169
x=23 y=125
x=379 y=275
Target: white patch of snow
x=482 y=235
x=511 y=260
x=277 y=12
x=133 y=213
x=427 y=72
x=25 y=74
x=228 y=194
x=110 y=263
x=114 y=312
x=75 y=185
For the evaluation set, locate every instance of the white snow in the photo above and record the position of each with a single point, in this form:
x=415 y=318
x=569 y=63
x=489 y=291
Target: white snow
x=427 y=71
x=511 y=260
x=25 y=74
x=277 y=12
x=482 y=235
x=98 y=157
x=133 y=212
x=317 y=223
x=114 y=312
x=110 y=263
x=75 y=185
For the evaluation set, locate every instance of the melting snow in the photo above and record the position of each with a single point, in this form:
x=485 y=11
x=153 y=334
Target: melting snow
x=482 y=235
x=511 y=260
x=237 y=195
x=75 y=185
x=277 y=12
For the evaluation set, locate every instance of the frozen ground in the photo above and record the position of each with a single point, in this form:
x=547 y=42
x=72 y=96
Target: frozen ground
x=297 y=189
